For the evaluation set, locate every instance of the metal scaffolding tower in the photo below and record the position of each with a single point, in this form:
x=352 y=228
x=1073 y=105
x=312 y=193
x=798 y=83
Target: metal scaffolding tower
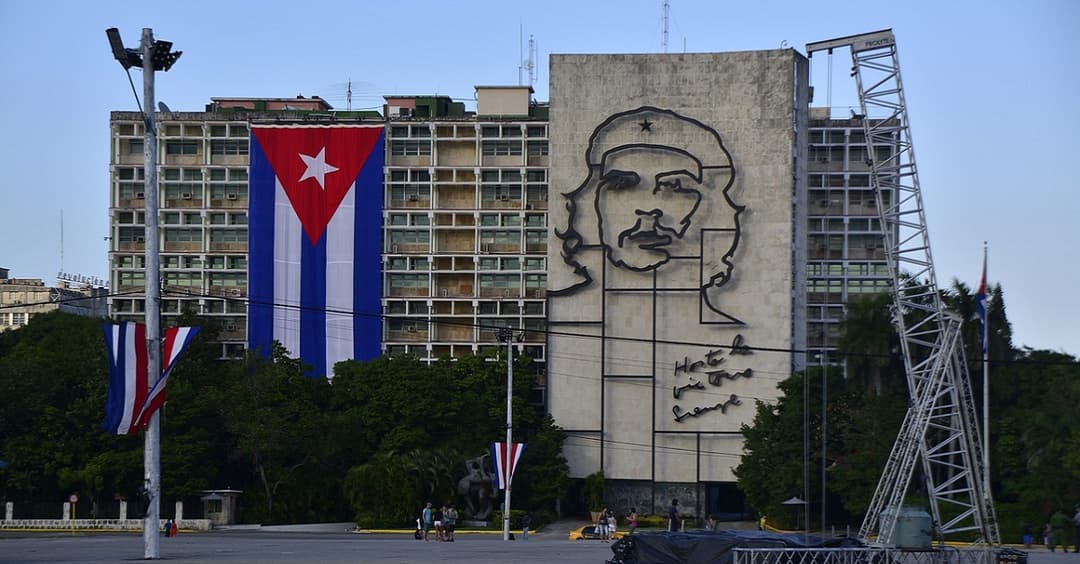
x=941 y=427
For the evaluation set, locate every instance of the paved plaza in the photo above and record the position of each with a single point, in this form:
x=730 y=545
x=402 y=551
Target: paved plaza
x=274 y=547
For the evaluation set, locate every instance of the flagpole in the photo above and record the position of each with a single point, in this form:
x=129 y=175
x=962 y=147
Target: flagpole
x=986 y=381
x=152 y=443
x=508 y=334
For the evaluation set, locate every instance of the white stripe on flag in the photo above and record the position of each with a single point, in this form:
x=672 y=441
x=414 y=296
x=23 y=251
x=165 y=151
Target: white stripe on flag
x=340 y=245
x=131 y=372
x=287 y=234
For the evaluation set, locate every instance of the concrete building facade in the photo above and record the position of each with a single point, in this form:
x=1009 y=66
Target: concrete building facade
x=677 y=246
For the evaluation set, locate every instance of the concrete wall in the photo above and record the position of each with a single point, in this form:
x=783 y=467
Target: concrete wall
x=642 y=374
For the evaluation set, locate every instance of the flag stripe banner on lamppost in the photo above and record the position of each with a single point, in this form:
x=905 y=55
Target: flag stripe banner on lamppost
x=126 y=346
x=505 y=461
x=176 y=340
x=129 y=405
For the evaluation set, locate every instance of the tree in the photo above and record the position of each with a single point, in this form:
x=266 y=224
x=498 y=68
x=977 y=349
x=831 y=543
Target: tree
x=868 y=340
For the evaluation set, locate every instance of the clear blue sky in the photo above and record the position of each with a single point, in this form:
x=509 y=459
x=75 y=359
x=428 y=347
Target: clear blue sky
x=992 y=89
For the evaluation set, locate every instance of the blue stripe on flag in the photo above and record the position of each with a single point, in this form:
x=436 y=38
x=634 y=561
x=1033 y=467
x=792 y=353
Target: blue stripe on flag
x=313 y=305
x=261 y=194
x=367 y=268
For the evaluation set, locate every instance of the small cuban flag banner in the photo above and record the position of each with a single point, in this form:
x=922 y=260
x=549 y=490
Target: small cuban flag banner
x=505 y=458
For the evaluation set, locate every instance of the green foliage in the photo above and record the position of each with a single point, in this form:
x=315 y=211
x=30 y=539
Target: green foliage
x=594 y=491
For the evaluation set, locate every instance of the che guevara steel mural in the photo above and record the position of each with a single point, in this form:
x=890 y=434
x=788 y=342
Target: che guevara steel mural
x=656 y=200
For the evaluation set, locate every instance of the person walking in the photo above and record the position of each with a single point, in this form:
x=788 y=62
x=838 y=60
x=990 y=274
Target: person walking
x=632 y=520
x=673 y=516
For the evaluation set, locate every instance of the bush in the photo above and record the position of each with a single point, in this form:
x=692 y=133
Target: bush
x=515 y=520
x=652 y=521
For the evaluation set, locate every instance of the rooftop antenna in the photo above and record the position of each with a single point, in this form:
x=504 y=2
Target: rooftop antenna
x=61 y=239
x=521 y=55
x=530 y=63
x=667 y=11
x=348 y=97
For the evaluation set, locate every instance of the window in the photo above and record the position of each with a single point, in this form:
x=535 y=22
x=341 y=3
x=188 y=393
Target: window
x=229 y=147
x=535 y=220
x=410 y=236
x=130 y=234
x=229 y=236
x=537 y=148
x=228 y=280
x=511 y=264
x=135 y=146
x=408 y=280
x=179 y=147
x=183 y=235
x=399 y=219
x=217 y=219
x=536 y=281
x=187 y=279
x=402 y=148
x=500 y=236
x=534 y=263
x=501 y=148
x=508 y=281
x=489 y=263
x=536 y=131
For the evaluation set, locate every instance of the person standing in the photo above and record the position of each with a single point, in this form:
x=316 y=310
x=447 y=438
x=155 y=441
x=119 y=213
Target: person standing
x=1076 y=528
x=1028 y=535
x=1048 y=537
x=429 y=518
x=601 y=525
x=673 y=516
x=612 y=526
x=440 y=533
x=525 y=522
x=450 y=522
x=632 y=518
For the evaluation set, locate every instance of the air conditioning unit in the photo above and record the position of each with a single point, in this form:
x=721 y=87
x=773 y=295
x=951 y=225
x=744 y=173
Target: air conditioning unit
x=508 y=293
x=140 y=239
x=414 y=198
x=185 y=196
x=823 y=203
x=485 y=247
x=393 y=249
x=823 y=159
x=443 y=292
x=504 y=197
x=411 y=328
x=139 y=195
x=235 y=292
x=230 y=196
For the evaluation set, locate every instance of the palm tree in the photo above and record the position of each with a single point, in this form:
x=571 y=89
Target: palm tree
x=867 y=339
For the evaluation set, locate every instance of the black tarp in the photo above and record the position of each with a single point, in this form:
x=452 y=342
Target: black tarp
x=712 y=547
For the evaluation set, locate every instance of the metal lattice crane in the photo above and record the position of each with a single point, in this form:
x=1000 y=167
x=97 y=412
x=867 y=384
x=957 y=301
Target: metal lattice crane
x=940 y=430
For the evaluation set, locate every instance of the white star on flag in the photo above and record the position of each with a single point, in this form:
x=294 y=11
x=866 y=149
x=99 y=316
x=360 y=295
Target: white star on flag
x=317 y=168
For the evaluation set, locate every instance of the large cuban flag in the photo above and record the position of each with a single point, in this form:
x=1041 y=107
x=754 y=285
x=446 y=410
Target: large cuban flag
x=314 y=242
x=505 y=458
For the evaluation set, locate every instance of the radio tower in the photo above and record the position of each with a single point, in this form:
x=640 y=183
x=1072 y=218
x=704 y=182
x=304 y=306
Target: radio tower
x=667 y=11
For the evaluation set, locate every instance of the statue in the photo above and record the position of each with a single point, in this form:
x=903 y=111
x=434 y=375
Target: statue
x=477 y=489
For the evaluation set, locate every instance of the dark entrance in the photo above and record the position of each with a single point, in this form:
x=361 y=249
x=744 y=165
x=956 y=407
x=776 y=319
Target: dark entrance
x=724 y=502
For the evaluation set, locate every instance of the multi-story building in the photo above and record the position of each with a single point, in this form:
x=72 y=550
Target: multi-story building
x=465 y=223
x=203 y=203
x=23 y=298
x=465 y=230
x=846 y=254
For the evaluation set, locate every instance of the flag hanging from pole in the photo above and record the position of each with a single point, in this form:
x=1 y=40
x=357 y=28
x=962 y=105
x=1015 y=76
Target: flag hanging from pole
x=176 y=340
x=980 y=306
x=505 y=459
x=315 y=242
x=126 y=345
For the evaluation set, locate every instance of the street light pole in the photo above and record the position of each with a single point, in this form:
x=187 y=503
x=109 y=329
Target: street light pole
x=508 y=334
x=151 y=56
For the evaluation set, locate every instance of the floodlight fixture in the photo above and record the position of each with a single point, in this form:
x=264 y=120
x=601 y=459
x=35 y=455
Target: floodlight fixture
x=162 y=58
x=126 y=57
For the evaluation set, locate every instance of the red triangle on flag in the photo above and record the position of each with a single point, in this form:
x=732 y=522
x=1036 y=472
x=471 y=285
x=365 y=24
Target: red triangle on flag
x=316 y=167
